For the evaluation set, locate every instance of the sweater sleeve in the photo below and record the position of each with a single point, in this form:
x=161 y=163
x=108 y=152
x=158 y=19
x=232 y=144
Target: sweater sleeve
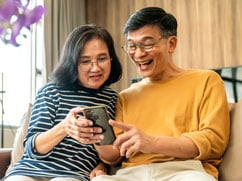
x=212 y=136
x=42 y=119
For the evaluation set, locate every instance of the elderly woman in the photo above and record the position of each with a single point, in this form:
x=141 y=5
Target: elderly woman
x=53 y=148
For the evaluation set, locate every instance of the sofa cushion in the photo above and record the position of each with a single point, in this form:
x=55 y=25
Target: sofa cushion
x=232 y=159
x=19 y=138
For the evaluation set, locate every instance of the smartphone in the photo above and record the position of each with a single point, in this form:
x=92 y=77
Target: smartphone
x=100 y=117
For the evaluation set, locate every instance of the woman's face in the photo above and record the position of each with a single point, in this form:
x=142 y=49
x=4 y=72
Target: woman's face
x=94 y=64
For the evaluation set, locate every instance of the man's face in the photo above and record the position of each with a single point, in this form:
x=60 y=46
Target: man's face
x=153 y=53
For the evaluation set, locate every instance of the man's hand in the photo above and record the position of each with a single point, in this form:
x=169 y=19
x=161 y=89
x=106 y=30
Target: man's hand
x=100 y=169
x=132 y=140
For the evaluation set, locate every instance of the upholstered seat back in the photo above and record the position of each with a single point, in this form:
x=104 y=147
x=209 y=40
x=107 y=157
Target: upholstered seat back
x=230 y=168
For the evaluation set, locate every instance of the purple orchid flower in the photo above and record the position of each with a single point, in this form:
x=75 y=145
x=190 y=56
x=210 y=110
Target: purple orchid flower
x=25 y=20
x=23 y=16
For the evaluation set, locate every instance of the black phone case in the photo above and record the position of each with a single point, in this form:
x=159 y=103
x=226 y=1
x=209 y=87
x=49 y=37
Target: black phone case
x=99 y=116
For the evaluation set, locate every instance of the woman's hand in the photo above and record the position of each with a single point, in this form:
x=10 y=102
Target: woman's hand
x=81 y=128
x=100 y=169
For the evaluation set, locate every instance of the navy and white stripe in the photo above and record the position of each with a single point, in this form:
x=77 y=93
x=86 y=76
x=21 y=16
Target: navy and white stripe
x=69 y=158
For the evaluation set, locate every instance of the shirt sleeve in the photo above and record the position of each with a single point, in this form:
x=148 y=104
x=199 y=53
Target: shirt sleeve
x=212 y=136
x=42 y=119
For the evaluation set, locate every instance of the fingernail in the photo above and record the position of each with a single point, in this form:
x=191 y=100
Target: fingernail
x=100 y=130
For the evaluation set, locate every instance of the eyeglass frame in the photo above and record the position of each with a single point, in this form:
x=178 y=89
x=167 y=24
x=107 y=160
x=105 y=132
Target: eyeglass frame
x=87 y=66
x=141 y=46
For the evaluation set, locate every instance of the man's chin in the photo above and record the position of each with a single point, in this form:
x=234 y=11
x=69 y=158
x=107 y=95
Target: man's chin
x=145 y=74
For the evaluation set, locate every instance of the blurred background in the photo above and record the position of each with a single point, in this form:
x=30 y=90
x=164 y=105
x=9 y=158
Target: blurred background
x=209 y=37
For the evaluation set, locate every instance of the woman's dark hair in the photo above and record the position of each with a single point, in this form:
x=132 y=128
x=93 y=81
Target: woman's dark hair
x=152 y=16
x=65 y=74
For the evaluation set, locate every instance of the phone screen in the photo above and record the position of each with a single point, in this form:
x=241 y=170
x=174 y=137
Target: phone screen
x=99 y=116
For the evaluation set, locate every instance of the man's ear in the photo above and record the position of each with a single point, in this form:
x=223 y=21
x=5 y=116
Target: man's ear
x=172 y=41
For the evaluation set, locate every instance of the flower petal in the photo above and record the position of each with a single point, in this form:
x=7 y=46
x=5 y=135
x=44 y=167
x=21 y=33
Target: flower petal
x=16 y=28
x=1 y=30
x=8 y=9
x=34 y=15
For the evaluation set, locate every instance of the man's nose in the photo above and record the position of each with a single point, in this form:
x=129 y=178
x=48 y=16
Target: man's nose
x=139 y=52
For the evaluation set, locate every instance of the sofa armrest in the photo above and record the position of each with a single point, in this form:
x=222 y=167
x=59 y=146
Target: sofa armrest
x=5 y=159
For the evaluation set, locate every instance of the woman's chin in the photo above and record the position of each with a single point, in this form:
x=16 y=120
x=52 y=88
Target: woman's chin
x=94 y=85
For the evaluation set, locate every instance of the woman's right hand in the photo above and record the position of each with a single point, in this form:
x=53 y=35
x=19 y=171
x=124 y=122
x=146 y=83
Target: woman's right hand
x=80 y=128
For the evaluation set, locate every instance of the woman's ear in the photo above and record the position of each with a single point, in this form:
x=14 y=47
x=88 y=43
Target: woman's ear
x=172 y=41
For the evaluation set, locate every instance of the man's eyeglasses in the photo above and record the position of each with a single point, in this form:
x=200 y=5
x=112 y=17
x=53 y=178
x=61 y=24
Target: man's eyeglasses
x=87 y=63
x=146 y=45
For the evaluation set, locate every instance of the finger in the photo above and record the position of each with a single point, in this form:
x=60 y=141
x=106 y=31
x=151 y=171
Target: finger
x=76 y=110
x=119 y=141
x=91 y=136
x=131 y=150
x=89 y=129
x=123 y=126
x=82 y=121
x=88 y=140
x=125 y=147
x=122 y=138
x=87 y=132
x=92 y=175
x=96 y=173
x=100 y=172
x=86 y=126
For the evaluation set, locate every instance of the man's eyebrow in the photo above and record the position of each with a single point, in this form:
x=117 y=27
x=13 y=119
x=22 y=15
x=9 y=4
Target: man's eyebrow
x=143 y=39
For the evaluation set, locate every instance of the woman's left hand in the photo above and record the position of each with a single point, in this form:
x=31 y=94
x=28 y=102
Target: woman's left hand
x=81 y=129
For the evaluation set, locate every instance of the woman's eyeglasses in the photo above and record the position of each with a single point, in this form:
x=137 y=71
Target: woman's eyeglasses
x=87 y=63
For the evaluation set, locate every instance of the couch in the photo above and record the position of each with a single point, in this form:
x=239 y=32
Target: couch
x=229 y=168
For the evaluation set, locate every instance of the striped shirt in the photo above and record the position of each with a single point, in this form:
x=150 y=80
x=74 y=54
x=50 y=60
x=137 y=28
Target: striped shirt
x=69 y=158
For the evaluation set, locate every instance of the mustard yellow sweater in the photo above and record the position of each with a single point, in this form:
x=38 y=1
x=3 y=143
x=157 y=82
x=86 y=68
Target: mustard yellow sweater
x=193 y=104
